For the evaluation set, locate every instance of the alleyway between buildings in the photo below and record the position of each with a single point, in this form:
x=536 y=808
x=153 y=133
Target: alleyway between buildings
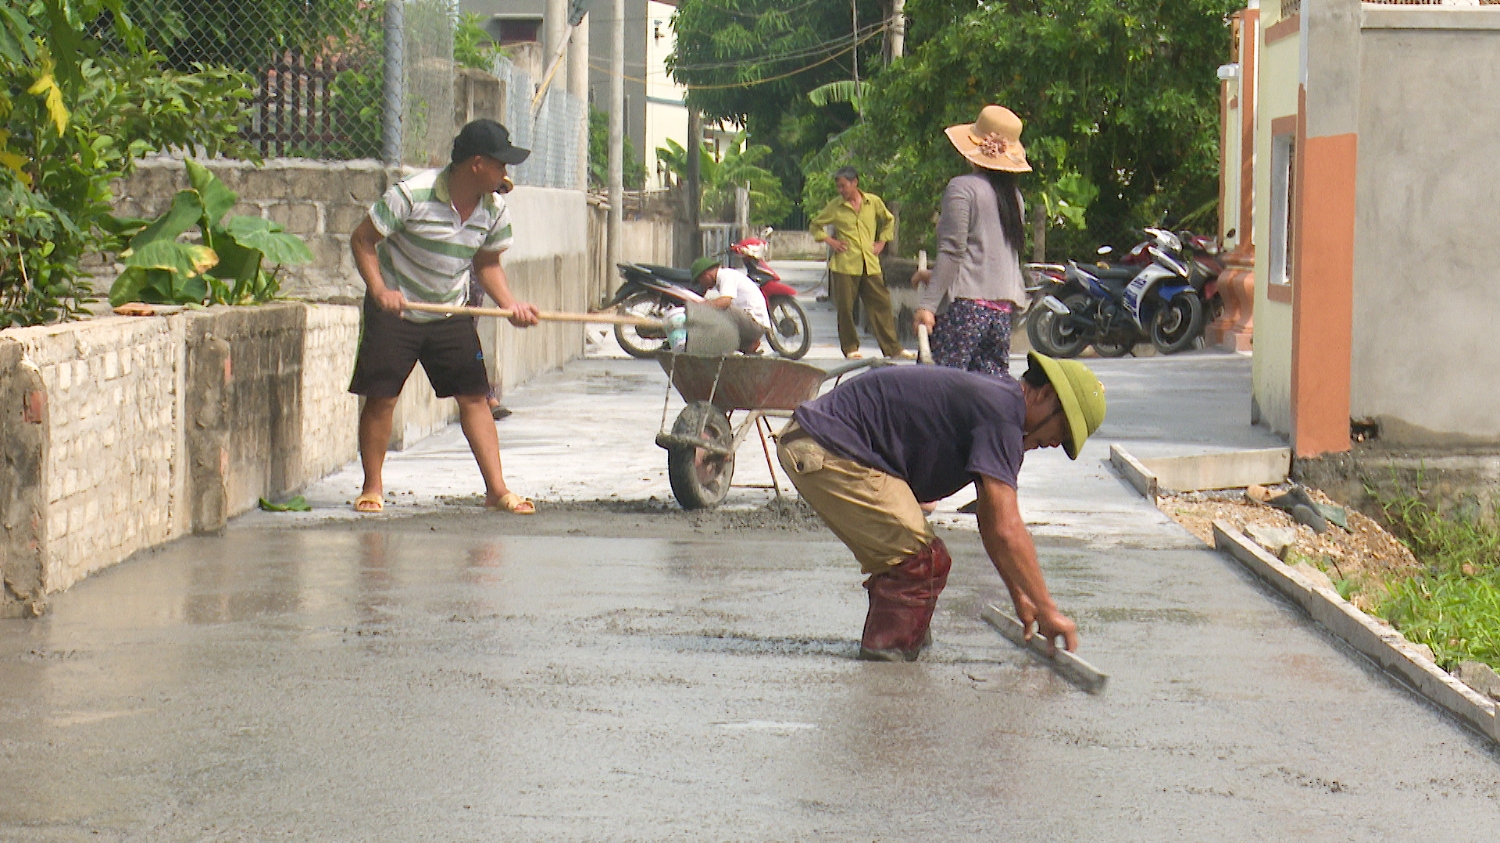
x=617 y=669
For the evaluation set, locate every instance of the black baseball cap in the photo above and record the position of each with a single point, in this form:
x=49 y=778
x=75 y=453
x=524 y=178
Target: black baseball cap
x=488 y=138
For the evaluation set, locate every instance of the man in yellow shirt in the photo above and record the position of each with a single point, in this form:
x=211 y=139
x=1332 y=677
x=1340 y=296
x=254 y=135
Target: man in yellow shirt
x=861 y=227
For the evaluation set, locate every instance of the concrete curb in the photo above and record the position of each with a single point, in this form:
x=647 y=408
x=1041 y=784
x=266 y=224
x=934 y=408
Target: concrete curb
x=1202 y=472
x=1376 y=640
x=1131 y=469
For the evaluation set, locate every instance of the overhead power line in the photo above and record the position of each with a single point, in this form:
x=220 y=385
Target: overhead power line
x=799 y=53
x=752 y=82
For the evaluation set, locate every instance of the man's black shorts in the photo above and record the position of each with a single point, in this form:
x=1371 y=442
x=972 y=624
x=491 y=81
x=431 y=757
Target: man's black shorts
x=390 y=346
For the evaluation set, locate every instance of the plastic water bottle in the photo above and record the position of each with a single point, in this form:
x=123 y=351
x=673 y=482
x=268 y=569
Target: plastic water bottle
x=676 y=325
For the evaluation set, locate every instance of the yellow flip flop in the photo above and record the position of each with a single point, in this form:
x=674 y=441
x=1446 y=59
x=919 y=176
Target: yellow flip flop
x=369 y=503
x=514 y=504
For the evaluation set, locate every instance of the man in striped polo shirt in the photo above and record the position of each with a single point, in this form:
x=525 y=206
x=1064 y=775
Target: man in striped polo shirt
x=422 y=241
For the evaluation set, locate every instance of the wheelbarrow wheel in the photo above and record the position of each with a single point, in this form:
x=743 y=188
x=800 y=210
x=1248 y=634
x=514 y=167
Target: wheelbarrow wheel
x=700 y=478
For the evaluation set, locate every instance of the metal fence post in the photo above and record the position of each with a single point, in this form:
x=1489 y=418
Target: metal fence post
x=395 y=82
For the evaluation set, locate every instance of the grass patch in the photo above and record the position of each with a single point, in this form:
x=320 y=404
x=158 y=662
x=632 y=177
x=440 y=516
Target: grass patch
x=1452 y=604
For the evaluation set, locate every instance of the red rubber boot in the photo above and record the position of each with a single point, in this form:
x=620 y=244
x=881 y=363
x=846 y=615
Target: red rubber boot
x=902 y=601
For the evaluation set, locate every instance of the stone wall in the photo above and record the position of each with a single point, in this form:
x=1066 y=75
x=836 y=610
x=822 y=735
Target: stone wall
x=23 y=488
x=321 y=202
x=330 y=415
x=121 y=434
x=114 y=439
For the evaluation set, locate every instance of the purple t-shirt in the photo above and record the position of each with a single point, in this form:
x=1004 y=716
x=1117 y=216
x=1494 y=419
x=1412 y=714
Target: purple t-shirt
x=934 y=427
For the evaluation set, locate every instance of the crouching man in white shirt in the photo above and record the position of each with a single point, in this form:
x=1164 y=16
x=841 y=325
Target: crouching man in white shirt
x=733 y=291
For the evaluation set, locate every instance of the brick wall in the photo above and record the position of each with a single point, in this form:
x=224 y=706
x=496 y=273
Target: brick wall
x=120 y=434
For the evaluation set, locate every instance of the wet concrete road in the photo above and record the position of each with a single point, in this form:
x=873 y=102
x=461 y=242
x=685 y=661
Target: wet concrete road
x=436 y=679
x=624 y=672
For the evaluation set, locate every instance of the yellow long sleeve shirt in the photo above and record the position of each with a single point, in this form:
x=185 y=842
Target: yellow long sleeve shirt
x=861 y=230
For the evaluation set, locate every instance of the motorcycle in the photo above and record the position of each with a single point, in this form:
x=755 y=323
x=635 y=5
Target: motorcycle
x=651 y=290
x=1116 y=308
x=790 y=334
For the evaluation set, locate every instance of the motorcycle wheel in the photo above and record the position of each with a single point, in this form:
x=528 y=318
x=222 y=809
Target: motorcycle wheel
x=1177 y=325
x=1110 y=348
x=641 y=342
x=699 y=478
x=790 y=335
x=1056 y=336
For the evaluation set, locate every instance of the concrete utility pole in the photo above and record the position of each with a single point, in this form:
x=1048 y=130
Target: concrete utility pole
x=554 y=25
x=898 y=29
x=578 y=86
x=694 y=186
x=616 y=135
x=395 y=83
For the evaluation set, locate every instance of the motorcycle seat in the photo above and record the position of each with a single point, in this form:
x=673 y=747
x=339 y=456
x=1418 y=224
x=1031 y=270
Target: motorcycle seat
x=1114 y=272
x=669 y=273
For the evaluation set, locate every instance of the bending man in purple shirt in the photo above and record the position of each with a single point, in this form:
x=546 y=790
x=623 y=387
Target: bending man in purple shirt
x=870 y=452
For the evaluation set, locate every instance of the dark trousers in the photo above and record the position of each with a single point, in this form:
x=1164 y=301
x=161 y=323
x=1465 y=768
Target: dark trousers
x=869 y=289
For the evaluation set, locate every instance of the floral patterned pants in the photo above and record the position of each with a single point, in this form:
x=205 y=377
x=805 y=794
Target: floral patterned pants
x=974 y=336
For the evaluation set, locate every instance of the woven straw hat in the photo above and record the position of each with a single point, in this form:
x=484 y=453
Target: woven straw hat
x=993 y=141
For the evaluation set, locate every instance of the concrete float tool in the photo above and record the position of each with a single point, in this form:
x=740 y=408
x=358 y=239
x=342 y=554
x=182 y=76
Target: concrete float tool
x=1067 y=665
x=710 y=331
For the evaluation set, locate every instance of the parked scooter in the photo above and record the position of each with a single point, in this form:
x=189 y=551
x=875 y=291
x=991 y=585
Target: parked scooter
x=1114 y=309
x=790 y=334
x=651 y=290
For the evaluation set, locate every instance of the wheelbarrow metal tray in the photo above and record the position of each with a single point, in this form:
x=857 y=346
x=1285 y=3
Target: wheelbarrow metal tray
x=742 y=382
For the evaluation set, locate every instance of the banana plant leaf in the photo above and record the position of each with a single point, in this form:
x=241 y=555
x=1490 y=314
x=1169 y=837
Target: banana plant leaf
x=271 y=239
x=214 y=196
x=185 y=212
x=187 y=259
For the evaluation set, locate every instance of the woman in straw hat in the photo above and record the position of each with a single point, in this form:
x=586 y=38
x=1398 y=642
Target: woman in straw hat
x=969 y=295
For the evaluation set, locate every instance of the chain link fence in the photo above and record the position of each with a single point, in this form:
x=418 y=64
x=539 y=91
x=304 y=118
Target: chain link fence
x=319 y=75
x=554 y=134
x=319 y=69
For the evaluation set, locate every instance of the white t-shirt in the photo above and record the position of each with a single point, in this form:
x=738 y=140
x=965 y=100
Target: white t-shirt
x=743 y=292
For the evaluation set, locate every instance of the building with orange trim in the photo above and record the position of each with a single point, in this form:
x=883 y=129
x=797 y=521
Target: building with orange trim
x=1368 y=136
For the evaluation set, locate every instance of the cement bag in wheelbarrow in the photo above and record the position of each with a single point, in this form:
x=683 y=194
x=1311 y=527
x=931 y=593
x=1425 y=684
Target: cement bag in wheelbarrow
x=711 y=332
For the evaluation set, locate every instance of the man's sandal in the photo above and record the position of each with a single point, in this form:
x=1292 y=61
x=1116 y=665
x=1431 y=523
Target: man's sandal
x=369 y=502
x=514 y=504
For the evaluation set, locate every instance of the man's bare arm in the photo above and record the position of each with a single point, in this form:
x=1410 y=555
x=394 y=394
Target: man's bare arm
x=362 y=243
x=491 y=274
x=1009 y=545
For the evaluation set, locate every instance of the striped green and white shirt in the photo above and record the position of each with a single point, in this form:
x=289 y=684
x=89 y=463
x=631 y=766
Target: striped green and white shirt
x=428 y=252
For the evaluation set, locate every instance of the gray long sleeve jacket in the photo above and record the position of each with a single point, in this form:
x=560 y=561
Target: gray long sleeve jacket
x=973 y=260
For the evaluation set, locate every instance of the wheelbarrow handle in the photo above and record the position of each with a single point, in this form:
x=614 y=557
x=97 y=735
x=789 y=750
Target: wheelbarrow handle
x=544 y=315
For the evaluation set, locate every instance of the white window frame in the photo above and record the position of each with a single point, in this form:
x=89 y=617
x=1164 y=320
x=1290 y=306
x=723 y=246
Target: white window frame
x=1283 y=160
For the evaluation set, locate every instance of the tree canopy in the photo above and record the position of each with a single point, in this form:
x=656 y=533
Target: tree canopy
x=1119 y=98
x=753 y=62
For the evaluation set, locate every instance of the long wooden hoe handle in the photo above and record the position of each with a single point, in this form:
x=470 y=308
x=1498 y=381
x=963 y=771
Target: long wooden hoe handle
x=545 y=315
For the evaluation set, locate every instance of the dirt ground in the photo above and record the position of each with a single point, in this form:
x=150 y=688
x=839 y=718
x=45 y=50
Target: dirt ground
x=1365 y=554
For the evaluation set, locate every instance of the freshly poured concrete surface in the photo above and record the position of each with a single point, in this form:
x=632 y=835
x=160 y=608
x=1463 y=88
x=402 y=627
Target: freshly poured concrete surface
x=395 y=681
x=628 y=671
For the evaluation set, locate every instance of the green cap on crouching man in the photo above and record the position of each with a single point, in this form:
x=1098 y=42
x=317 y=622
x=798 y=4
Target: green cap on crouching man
x=868 y=454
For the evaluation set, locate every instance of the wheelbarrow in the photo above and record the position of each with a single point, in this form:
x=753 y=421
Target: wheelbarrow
x=703 y=440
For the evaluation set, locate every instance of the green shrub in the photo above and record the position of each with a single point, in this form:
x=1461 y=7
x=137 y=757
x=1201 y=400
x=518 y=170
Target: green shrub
x=1452 y=604
x=73 y=119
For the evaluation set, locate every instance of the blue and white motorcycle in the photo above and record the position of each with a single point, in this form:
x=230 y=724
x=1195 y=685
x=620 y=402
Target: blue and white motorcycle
x=1117 y=308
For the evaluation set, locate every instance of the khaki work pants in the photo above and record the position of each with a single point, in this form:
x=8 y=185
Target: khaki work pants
x=874 y=514
x=869 y=289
